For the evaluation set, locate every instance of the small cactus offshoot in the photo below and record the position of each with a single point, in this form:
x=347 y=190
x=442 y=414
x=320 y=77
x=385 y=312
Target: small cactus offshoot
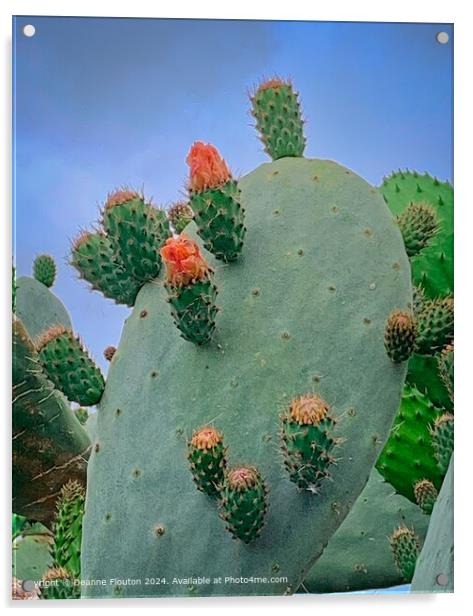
x=180 y=214
x=68 y=528
x=243 y=502
x=435 y=324
x=405 y=546
x=69 y=366
x=399 y=336
x=442 y=440
x=206 y=454
x=82 y=415
x=191 y=290
x=425 y=494
x=44 y=270
x=308 y=440
x=215 y=201
x=418 y=224
x=446 y=368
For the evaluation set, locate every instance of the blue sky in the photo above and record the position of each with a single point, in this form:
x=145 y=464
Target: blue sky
x=107 y=102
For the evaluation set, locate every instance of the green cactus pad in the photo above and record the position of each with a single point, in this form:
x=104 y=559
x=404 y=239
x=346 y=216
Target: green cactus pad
x=136 y=231
x=68 y=528
x=275 y=106
x=44 y=270
x=220 y=218
x=399 y=336
x=304 y=309
x=405 y=546
x=446 y=369
x=206 y=454
x=31 y=556
x=69 y=366
x=180 y=214
x=418 y=224
x=408 y=455
x=425 y=494
x=58 y=583
x=433 y=267
x=243 y=503
x=435 y=326
x=49 y=444
x=442 y=440
x=358 y=556
x=38 y=308
x=193 y=309
x=307 y=441
x=434 y=570
x=94 y=259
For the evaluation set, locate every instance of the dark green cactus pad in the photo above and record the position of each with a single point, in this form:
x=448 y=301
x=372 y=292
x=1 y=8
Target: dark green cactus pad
x=425 y=494
x=38 y=308
x=276 y=108
x=243 y=503
x=31 y=556
x=405 y=546
x=220 y=220
x=68 y=528
x=418 y=224
x=93 y=257
x=433 y=267
x=58 y=583
x=180 y=214
x=442 y=440
x=358 y=556
x=69 y=366
x=49 y=445
x=303 y=309
x=434 y=570
x=434 y=326
x=136 y=231
x=206 y=455
x=193 y=309
x=44 y=270
x=408 y=455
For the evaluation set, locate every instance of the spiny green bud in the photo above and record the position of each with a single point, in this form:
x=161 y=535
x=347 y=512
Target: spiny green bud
x=442 y=440
x=243 y=502
x=180 y=214
x=67 y=528
x=399 y=336
x=307 y=441
x=418 y=224
x=446 y=368
x=435 y=326
x=44 y=270
x=405 y=546
x=206 y=454
x=425 y=494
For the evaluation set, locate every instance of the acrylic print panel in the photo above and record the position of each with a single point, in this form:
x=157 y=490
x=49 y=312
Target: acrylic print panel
x=234 y=355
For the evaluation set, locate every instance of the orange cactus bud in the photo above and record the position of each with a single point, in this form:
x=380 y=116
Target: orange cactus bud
x=184 y=263
x=207 y=168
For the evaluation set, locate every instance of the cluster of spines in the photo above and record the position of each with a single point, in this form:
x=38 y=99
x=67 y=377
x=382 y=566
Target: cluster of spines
x=307 y=441
x=215 y=202
x=69 y=366
x=442 y=440
x=276 y=109
x=418 y=224
x=243 y=502
x=207 y=459
x=44 y=270
x=425 y=494
x=405 y=546
x=191 y=290
x=124 y=254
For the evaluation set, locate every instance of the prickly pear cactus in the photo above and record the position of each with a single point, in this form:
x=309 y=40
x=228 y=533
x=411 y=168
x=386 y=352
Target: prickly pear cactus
x=38 y=308
x=301 y=312
x=44 y=270
x=31 y=555
x=434 y=569
x=49 y=445
x=358 y=556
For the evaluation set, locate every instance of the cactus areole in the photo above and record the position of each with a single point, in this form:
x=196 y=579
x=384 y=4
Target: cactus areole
x=301 y=312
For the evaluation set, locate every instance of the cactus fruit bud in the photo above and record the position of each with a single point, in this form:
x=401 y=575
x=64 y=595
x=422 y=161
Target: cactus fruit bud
x=275 y=106
x=215 y=201
x=405 y=546
x=442 y=440
x=69 y=366
x=418 y=224
x=68 y=528
x=307 y=441
x=243 y=502
x=425 y=494
x=58 y=583
x=435 y=326
x=180 y=214
x=206 y=454
x=399 y=336
x=190 y=287
x=446 y=368
x=109 y=352
x=82 y=415
x=44 y=270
